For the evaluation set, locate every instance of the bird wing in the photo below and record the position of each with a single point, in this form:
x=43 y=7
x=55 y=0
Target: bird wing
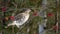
x=19 y=17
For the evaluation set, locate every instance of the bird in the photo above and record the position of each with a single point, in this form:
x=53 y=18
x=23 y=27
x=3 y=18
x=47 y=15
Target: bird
x=20 y=19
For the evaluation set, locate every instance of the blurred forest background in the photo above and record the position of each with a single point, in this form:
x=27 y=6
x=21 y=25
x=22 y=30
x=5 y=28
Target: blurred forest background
x=50 y=8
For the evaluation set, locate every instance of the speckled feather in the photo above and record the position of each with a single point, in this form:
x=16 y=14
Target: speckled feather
x=20 y=19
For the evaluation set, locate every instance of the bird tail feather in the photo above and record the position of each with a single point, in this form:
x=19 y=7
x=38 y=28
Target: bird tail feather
x=10 y=24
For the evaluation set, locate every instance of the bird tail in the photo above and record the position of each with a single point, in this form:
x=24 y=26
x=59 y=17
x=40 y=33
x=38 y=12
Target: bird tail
x=10 y=24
